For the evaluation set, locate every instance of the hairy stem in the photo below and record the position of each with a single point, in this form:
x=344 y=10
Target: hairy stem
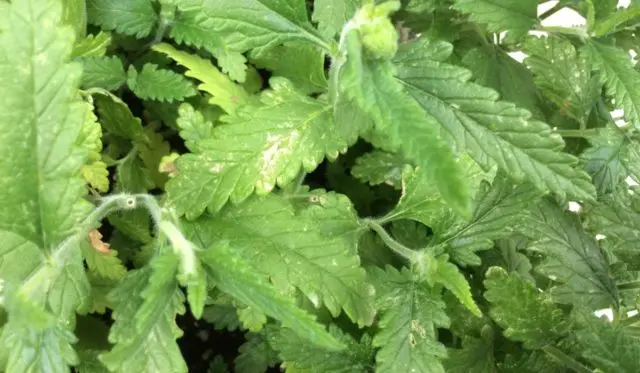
x=394 y=245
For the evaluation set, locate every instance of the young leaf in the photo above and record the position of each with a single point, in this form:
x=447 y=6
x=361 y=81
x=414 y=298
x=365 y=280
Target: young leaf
x=292 y=251
x=116 y=117
x=604 y=160
x=617 y=74
x=133 y=17
x=572 y=258
x=475 y=356
x=379 y=167
x=234 y=277
x=256 y=354
x=527 y=315
x=226 y=94
x=410 y=313
x=103 y=72
x=441 y=271
x=301 y=357
x=153 y=83
x=262 y=146
x=144 y=333
x=501 y=15
x=491 y=131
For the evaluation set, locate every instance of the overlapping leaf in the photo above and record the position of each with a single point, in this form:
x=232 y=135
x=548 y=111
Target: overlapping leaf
x=263 y=146
x=491 y=131
x=410 y=313
x=153 y=83
x=292 y=251
x=332 y=15
x=134 y=17
x=526 y=314
x=605 y=159
x=573 y=259
x=501 y=15
x=379 y=167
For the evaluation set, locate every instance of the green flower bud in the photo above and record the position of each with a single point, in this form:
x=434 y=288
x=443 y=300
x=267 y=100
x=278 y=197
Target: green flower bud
x=377 y=33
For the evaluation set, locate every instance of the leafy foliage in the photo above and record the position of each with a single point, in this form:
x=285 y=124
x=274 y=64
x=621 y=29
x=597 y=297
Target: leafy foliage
x=329 y=186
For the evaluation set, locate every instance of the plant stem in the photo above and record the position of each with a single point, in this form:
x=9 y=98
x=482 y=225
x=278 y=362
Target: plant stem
x=394 y=245
x=574 y=31
x=551 y=11
x=565 y=359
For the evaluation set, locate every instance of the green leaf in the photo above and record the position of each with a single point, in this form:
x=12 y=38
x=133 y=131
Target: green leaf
x=302 y=64
x=292 y=250
x=604 y=160
x=491 y=131
x=42 y=187
x=264 y=145
x=410 y=313
x=103 y=72
x=226 y=94
x=96 y=175
x=528 y=315
x=92 y=45
x=475 y=356
x=234 y=276
x=499 y=211
x=272 y=23
x=32 y=340
x=493 y=68
x=144 y=333
x=133 y=17
x=400 y=121
x=573 y=260
x=153 y=83
x=617 y=218
x=379 y=167
x=620 y=80
x=501 y=15
x=614 y=21
x=256 y=354
x=301 y=357
x=563 y=75
x=106 y=265
x=332 y=15
x=609 y=348
x=116 y=117
x=192 y=27
x=441 y=271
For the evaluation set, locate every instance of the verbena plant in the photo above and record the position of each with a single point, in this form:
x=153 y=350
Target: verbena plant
x=349 y=186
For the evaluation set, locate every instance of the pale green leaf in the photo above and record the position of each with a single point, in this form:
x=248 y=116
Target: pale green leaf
x=260 y=147
x=92 y=45
x=491 y=131
x=410 y=313
x=96 y=175
x=292 y=250
x=106 y=265
x=153 y=83
x=252 y=319
x=300 y=357
x=132 y=17
x=526 y=314
x=225 y=93
x=103 y=72
x=620 y=80
x=379 y=167
x=332 y=15
x=573 y=260
x=517 y=17
x=194 y=129
x=301 y=63
x=563 y=75
x=234 y=276
x=144 y=333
